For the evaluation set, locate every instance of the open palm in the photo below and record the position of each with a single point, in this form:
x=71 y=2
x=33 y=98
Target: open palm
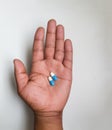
x=55 y=57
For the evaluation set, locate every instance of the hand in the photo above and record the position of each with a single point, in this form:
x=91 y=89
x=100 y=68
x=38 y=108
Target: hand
x=55 y=57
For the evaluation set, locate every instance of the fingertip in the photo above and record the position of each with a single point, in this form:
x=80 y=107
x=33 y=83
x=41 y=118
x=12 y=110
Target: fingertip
x=60 y=27
x=60 y=32
x=40 y=29
x=19 y=66
x=51 y=26
x=68 y=40
x=52 y=21
x=68 y=45
x=17 y=61
x=39 y=34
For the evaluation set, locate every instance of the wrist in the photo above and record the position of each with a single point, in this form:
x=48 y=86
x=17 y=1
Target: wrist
x=48 y=120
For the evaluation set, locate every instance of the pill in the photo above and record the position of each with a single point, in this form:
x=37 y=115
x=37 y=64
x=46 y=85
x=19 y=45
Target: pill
x=51 y=81
x=54 y=77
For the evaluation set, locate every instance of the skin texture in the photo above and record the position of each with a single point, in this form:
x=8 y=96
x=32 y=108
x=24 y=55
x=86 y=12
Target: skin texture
x=55 y=56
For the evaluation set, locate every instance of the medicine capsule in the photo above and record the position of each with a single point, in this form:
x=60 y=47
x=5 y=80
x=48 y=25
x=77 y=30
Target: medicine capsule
x=54 y=77
x=51 y=81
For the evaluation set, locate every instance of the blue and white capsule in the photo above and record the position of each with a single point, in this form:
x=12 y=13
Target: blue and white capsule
x=51 y=81
x=54 y=77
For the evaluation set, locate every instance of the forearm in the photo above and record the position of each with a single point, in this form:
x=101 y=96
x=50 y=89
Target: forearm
x=48 y=121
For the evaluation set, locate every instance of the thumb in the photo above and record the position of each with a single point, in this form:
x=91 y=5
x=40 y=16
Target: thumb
x=20 y=74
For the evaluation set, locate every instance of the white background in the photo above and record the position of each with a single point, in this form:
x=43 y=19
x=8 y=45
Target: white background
x=88 y=23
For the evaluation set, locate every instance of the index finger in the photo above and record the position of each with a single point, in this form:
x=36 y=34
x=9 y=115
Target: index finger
x=38 y=46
